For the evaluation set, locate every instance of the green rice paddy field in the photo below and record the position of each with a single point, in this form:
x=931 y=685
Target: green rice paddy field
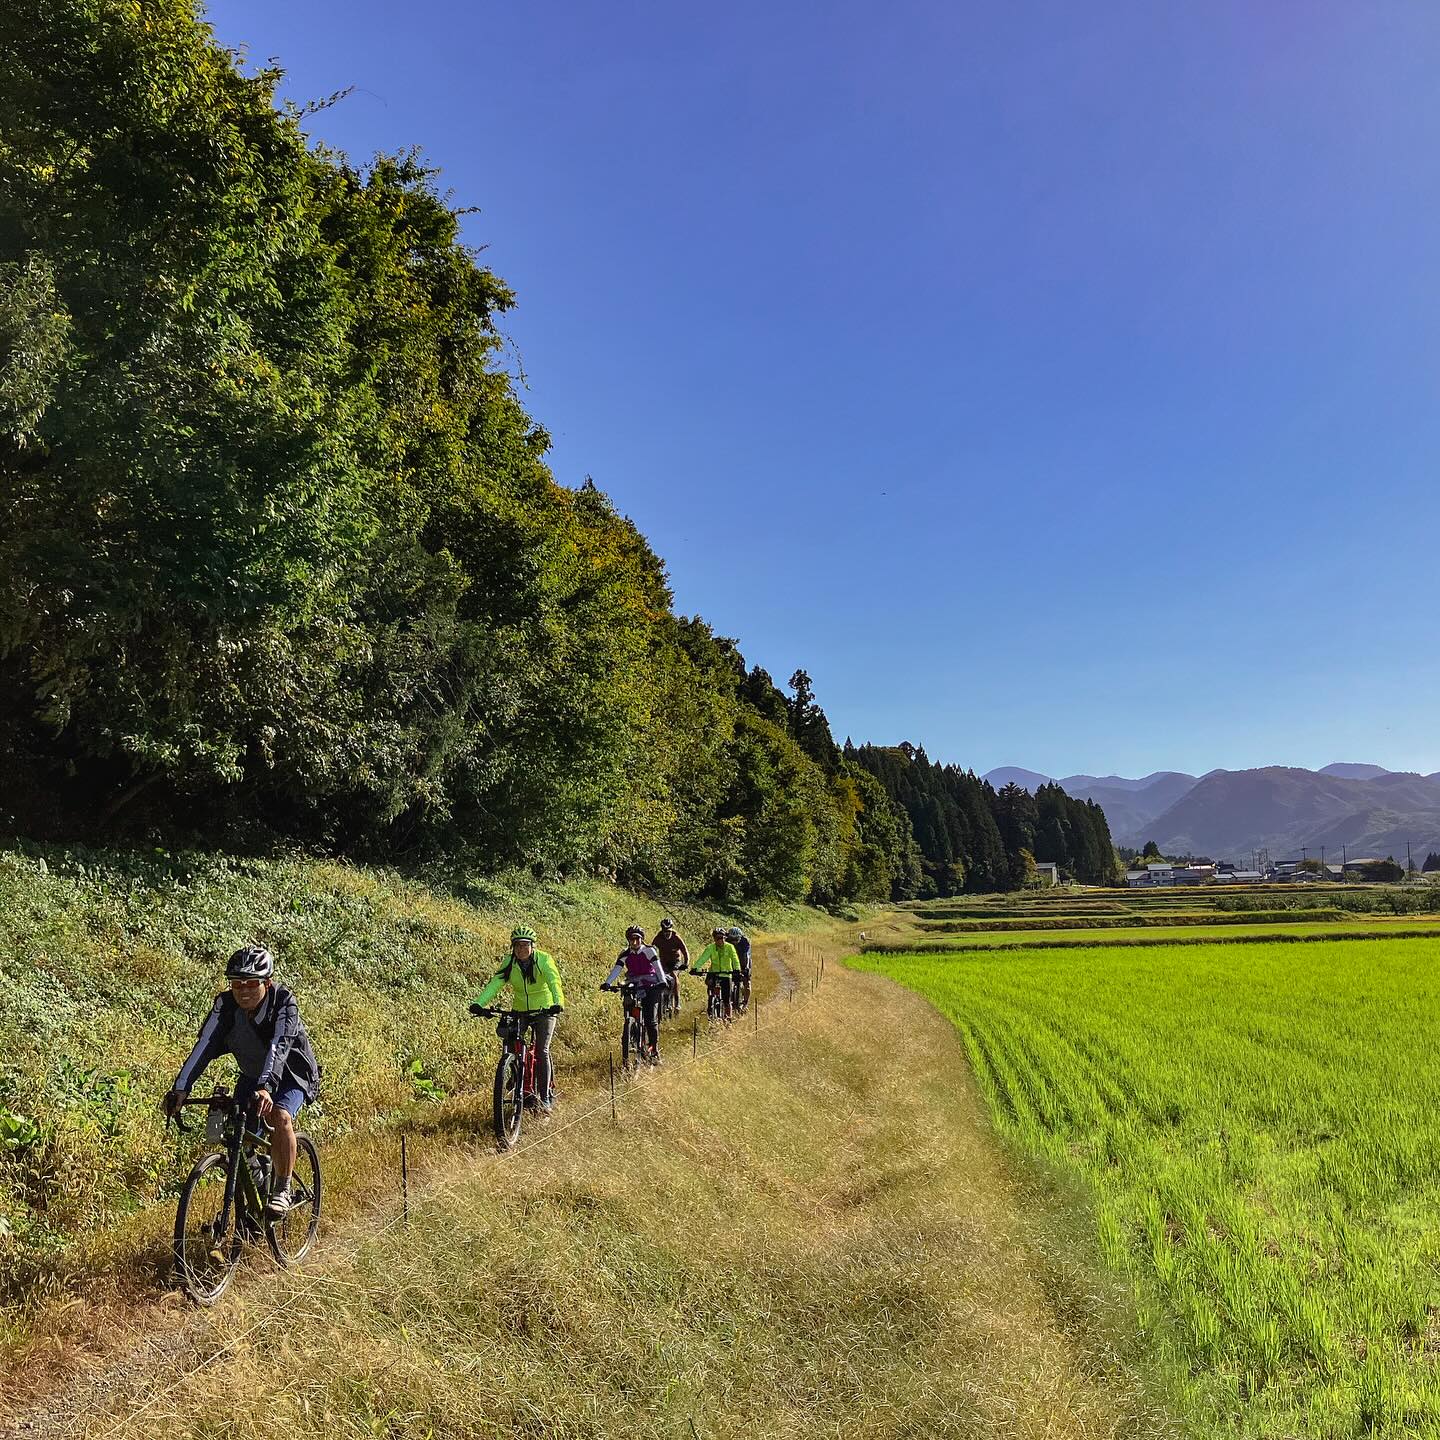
x=1257 y=1129
x=1353 y=927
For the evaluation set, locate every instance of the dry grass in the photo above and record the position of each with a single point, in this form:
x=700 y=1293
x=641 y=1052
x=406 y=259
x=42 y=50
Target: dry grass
x=808 y=1233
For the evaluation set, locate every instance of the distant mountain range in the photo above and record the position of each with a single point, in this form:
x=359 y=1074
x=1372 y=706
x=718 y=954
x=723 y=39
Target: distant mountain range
x=1230 y=814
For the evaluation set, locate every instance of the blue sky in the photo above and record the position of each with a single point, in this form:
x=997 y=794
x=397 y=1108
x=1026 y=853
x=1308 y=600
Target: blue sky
x=1056 y=383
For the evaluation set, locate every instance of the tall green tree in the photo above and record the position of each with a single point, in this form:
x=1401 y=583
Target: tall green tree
x=281 y=556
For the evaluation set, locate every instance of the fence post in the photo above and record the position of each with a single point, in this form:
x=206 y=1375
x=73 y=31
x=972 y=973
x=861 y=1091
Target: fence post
x=404 y=1180
x=614 y=1114
x=695 y=1037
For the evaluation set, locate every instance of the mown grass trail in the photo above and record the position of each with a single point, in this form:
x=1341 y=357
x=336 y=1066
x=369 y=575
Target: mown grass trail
x=1257 y=1128
x=809 y=1234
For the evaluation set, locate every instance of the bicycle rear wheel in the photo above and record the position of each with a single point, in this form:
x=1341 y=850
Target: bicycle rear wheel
x=509 y=1100
x=207 y=1242
x=291 y=1235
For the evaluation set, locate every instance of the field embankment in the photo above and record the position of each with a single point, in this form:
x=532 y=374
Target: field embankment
x=808 y=1233
x=1255 y=1127
x=1078 y=919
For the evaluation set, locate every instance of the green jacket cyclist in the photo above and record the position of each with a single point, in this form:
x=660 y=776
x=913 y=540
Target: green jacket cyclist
x=536 y=995
x=719 y=959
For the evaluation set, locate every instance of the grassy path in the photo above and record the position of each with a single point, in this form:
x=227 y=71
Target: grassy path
x=808 y=1232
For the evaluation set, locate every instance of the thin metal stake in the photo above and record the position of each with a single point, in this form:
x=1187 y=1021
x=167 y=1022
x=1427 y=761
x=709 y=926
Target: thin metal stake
x=695 y=1038
x=614 y=1114
x=404 y=1180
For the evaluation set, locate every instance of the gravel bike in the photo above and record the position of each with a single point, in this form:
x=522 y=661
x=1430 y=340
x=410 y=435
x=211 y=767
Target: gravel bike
x=514 y=1073
x=222 y=1202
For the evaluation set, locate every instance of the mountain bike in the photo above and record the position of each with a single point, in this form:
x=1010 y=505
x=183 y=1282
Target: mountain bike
x=670 y=1005
x=714 y=997
x=222 y=1202
x=632 y=1027
x=739 y=992
x=514 y=1074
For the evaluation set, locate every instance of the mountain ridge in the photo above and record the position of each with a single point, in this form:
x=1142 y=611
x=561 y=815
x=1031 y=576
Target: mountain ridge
x=1348 y=808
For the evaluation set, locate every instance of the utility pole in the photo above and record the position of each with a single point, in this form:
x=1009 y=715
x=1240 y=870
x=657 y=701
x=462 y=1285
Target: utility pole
x=1409 y=863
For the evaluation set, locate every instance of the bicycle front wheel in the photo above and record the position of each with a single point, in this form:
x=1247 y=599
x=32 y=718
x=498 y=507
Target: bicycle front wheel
x=207 y=1238
x=291 y=1235
x=509 y=1100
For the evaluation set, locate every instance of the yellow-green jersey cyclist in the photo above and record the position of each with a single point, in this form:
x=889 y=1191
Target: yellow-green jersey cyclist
x=536 y=995
x=719 y=960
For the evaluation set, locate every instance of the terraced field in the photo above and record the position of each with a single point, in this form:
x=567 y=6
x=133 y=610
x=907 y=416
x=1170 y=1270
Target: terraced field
x=1255 y=1127
x=1351 y=927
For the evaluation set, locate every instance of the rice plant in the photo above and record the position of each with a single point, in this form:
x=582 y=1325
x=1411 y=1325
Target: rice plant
x=1256 y=1127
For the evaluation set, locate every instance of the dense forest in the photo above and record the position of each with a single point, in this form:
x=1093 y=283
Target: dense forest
x=281 y=557
x=975 y=838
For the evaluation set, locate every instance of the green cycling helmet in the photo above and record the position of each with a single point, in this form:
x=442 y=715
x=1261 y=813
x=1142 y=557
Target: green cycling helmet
x=523 y=932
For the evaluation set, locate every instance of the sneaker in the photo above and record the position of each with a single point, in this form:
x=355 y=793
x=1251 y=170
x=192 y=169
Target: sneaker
x=279 y=1203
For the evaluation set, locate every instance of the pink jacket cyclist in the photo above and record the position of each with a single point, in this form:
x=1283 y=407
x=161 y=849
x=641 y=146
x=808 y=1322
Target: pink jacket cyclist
x=640 y=965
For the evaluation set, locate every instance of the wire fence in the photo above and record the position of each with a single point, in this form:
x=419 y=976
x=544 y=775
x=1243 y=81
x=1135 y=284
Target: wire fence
x=800 y=971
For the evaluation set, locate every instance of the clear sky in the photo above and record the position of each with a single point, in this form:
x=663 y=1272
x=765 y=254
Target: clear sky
x=1056 y=382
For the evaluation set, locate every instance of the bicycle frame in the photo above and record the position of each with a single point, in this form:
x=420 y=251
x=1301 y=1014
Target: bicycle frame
x=740 y=992
x=514 y=1032
x=632 y=1011
x=239 y=1140
x=714 y=1001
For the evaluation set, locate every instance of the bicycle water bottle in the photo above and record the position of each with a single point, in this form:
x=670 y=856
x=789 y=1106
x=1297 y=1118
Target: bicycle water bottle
x=259 y=1172
x=216 y=1117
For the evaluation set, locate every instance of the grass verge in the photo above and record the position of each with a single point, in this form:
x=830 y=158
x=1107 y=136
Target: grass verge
x=108 y=963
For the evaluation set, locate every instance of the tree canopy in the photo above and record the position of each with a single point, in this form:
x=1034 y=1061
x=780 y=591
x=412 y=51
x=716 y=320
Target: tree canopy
x=281 y=555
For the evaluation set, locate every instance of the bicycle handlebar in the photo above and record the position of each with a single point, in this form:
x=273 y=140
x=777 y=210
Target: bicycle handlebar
x=208 y=1102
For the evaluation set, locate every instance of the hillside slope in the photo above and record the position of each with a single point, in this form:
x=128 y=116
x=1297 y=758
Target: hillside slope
x=109 y=961
x=794 y=1237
